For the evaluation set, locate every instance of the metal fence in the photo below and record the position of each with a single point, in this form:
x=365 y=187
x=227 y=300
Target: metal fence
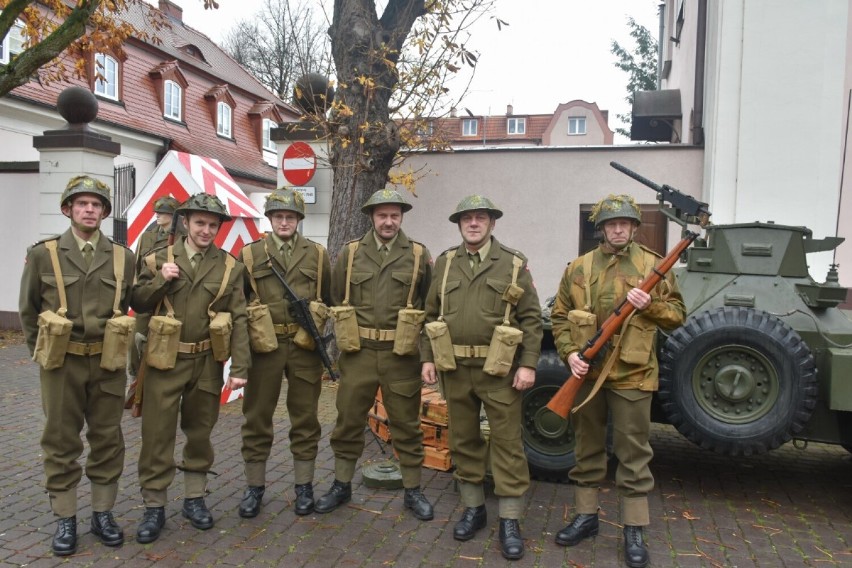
x=125 y=190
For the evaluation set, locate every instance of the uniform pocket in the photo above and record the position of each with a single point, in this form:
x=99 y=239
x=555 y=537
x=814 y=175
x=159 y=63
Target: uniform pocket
x=401 y=286
x=452 y=297
x=407 y=388
x=361 y=288
x=114 y=386
x=638 y=341
x=492 y=298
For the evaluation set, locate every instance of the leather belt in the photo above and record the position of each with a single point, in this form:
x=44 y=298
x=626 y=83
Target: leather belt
x=199 y=347
x=470 y=350
x=85 y=349
x=285 y=328
x=376 y=334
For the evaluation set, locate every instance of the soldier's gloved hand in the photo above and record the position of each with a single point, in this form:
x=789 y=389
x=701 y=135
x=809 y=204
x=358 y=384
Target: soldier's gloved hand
x=578 y=367
x=235 y=383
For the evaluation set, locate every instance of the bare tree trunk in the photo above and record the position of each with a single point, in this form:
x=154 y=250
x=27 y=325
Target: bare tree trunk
x=365 y=141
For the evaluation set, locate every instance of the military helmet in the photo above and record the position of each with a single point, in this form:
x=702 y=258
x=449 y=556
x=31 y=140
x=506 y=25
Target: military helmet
x=205 y=203
x=385 y=197
x=475 y=203
x=166 y=204
x=285 y=199
x=615 y=207
x=87 y=184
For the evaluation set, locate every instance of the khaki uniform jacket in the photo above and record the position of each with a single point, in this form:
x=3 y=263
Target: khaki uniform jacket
x=379 y=287
x=90 y=292
x=301 y=275
x=613 y=275
x=191 y=294
x=474 y=303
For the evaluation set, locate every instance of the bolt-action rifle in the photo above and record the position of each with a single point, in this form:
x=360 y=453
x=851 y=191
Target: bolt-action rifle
x=301 y=311
x=684 y=210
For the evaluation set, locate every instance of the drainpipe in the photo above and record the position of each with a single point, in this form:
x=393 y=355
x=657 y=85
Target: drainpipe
x=662 y=30
x=698 y=97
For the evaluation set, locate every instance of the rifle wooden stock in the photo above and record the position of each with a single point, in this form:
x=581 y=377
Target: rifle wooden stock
x=563 y=400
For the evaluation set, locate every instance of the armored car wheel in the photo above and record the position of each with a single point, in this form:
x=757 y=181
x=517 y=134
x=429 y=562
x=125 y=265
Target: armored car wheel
x=548 y=439
x=738 y=381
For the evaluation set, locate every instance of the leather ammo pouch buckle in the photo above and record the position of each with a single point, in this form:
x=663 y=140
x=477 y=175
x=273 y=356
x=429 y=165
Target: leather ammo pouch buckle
x=54 y=332
x=501 y=351
x=163 y=342
x=320 y=313
x=442 y=345
x=221 y=325
x=261 y=331
x=409 y=323
x=118 y=334
x=583 y=327
x=346 y=328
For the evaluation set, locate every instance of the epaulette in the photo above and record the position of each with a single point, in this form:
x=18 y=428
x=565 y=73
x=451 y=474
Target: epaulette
x=456 y=247
x=42 y=241
x=118 y=243
x=515 y=252
x=352 y=241
x=646 y=249
x=229 y=254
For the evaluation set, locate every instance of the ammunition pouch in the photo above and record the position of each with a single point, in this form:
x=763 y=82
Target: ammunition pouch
x=261 y=330
x=346 y=329
x=118 y=334
x=409 y=324
x=438 y=333
x=163 y=342
x=583 y=326
x=221 y=325
x=303 y=338
x=501 y=351
x=54 y=333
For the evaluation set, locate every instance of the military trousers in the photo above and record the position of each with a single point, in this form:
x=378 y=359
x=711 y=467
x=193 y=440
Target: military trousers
x=631 y=425
x=79 y=393
x=361 y=374
x=468 y=390
x=192 y=390
x=303 y=370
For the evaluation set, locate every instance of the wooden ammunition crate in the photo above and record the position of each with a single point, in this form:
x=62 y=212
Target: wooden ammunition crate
x=435 y=435
x=436 y=458
x=433 y=408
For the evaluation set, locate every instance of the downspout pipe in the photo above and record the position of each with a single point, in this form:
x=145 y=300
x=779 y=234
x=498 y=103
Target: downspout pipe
x=700 y=56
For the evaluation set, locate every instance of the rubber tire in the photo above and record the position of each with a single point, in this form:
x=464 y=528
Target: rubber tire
x=730 y=332
x=550 y=452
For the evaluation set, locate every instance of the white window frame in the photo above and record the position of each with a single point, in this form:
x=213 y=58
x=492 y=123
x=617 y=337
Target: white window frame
x=470 y=126
x=13 y=43
x=516 y=125
x=108 y=67
x=576 y=125
x=268 y=144
x=223 y=119
x=172 y=95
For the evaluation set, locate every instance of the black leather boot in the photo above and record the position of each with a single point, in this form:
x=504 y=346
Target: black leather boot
x=339 y=494
x=152 y=523
x=510 y=539
x=473 y=519
x=419 y=505
x=65 y=538
x=582 y=526
x=304 y=499
x=197 y=512
x=106 y=529
x=252 y=500
x=635 y=551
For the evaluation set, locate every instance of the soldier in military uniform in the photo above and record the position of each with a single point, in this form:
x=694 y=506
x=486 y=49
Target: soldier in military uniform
x=306 y=267
x=187 y=278
x=154 y=237
x=80 y=390
x=596 y=283
x=382 y=281
x=476 y=287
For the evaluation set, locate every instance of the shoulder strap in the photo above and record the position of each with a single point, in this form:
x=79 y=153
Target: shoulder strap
x=450 y=255
x=587 y=270
x=320 y=252
x=248 y=260
x=229 y=265
x=353 y=246
x=418 y=252
x=60 y=283
x=118 y=271
x=516 y=267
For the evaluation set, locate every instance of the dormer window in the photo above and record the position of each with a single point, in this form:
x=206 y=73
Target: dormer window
x=107 y=71
x=13 y=43
x=576 y=125
x=516 y=126
x=223 y=119
x=264 y=117
x=268 y=144
x=172 y=100
x=470 y=127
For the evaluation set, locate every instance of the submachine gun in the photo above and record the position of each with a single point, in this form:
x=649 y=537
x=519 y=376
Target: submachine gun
x=684 y=210
x=301 y=311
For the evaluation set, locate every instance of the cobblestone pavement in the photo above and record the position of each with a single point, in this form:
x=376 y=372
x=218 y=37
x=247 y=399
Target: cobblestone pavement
x=787 y=508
